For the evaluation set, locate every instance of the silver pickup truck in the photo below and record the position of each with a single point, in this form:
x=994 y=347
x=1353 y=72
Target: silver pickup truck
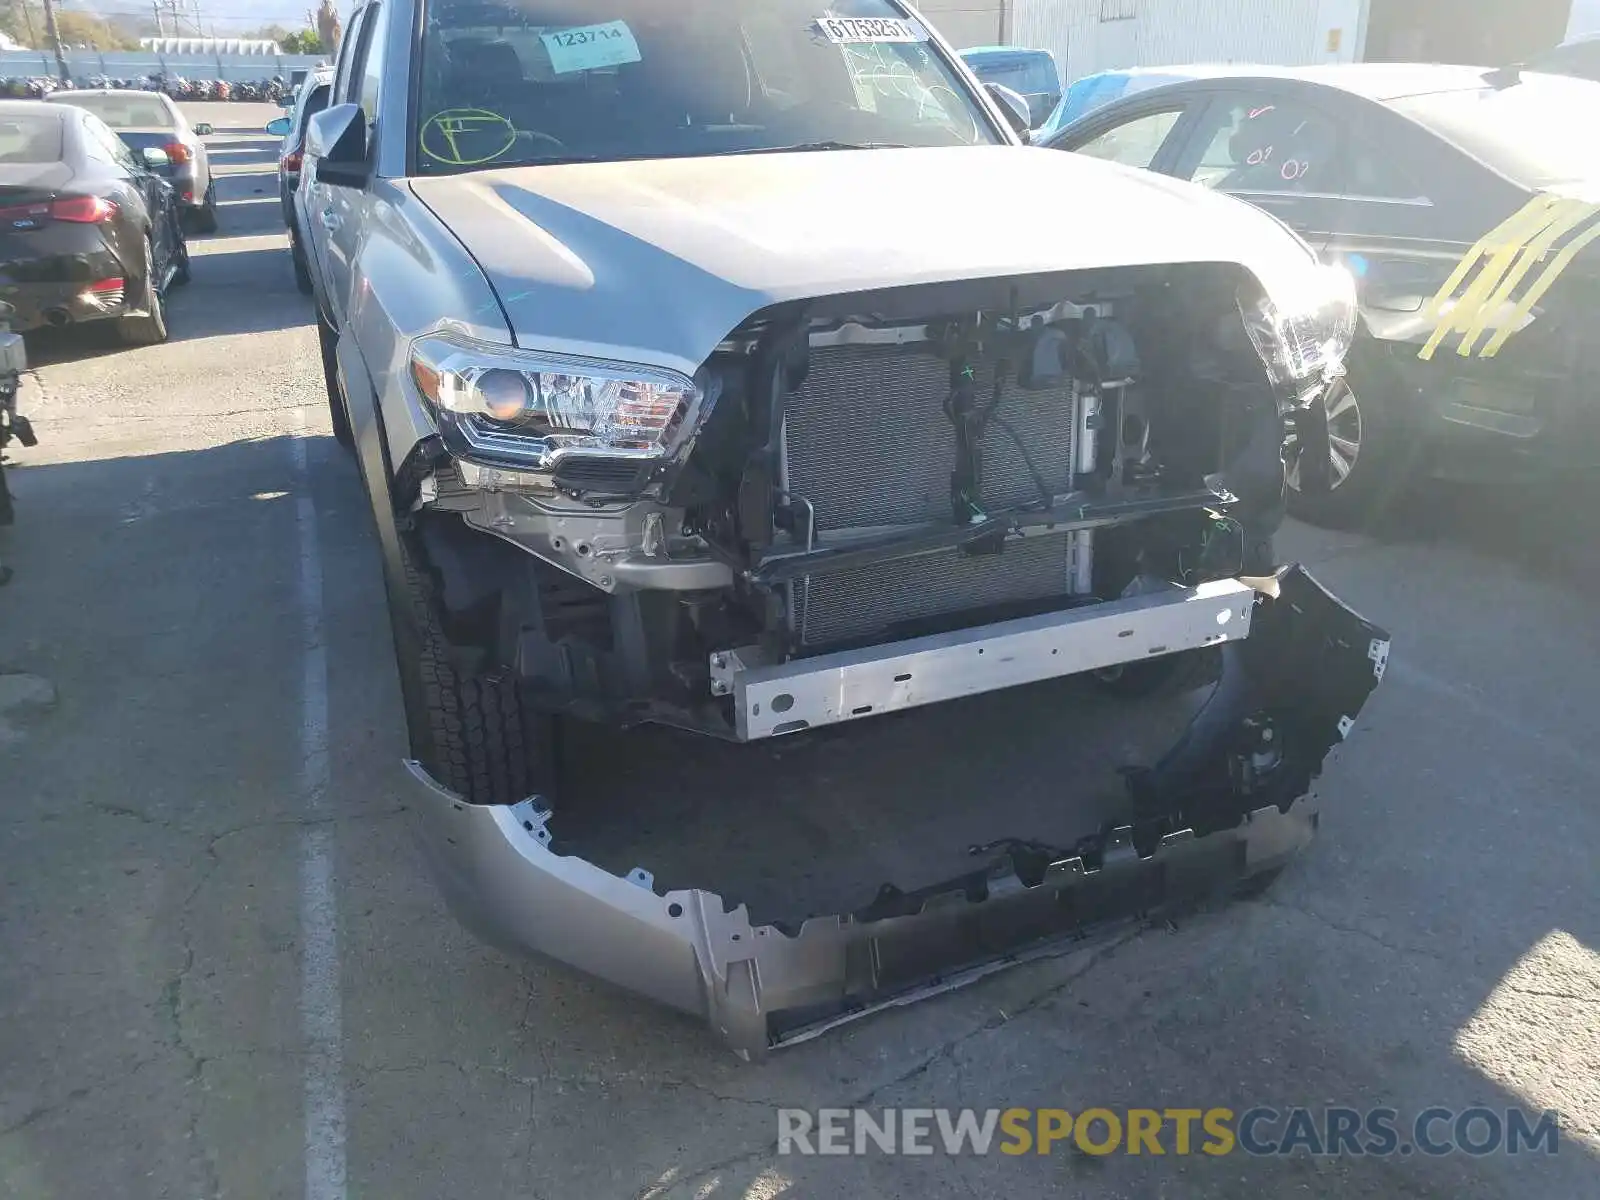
x=735 y=366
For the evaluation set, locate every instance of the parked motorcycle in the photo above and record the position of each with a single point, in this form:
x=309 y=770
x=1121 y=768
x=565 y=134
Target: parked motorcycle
x=13 y=362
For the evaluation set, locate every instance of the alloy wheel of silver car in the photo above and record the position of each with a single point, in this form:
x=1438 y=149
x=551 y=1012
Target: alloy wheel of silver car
x=1344 y=435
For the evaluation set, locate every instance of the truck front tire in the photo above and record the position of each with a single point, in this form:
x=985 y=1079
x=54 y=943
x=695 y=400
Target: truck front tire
x=328 y=342
x=1171 y=675
x=481 y=738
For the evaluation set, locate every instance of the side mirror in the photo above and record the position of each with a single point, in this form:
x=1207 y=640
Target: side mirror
x=337 y=139
x=1013 y=107
x=204 y=129
x=155 y=158
x=280 y=126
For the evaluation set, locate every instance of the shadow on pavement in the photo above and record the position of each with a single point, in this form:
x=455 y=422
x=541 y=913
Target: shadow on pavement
x=139 y=581
x=234 y=292
x=1545 y=528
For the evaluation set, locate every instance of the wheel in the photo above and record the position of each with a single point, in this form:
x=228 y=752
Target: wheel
x=150 y=328
x=1373 y=454
x=302 y=269
x=1171 y=675
x=205 y=216
x=328 y=341
x=480 y=737
x=181 y=261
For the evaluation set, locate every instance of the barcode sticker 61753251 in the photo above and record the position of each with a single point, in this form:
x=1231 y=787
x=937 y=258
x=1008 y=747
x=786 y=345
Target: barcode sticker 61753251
x=871 y=29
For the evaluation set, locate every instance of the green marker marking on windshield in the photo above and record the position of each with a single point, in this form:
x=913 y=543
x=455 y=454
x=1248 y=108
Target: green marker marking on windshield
x=444 y=132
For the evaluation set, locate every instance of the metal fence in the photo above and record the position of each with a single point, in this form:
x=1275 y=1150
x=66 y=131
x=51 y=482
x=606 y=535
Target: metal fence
x=131 y=64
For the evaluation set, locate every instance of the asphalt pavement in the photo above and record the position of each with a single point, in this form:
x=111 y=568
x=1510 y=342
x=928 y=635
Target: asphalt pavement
x=212 y=920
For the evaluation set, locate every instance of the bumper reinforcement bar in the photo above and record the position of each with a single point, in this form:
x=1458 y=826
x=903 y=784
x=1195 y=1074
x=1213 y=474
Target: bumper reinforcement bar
x=851 y=684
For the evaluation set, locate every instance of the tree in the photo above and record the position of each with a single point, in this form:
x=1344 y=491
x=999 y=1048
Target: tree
x=267 y=33
x=328 y=27
x=24 y=22
x=300 y=41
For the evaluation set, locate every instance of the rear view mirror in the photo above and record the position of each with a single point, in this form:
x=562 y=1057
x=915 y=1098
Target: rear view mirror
x=337 y=138
x=1013 y=107
x=204 y=129
x=155 y=158
x=279 y=126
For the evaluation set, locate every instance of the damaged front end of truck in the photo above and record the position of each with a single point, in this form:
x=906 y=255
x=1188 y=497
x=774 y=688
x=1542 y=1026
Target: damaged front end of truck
x=1039 y=509
x=1228 y=805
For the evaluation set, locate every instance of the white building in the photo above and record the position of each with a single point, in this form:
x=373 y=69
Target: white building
x=1093 y=35
x=207 y=45
x=1096 y=35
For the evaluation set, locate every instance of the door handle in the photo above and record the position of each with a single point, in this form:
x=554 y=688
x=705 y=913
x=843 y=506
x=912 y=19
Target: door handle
x=330 y=220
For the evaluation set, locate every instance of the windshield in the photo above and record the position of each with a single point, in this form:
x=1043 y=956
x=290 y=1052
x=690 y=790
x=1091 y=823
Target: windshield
x=579 y=80
x=1021 y=73
x=29 y=139
x=1539 y=132
x=126 y=110
x=314 y=103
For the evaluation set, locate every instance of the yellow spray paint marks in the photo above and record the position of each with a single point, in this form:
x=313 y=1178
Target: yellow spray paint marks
x=1503 y=260
x=467 y=137
x=1543 y=284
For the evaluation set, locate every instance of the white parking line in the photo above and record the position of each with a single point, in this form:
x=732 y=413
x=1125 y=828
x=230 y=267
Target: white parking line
x=320 y=1013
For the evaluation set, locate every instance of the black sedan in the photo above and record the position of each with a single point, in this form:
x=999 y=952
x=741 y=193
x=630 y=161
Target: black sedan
x=88 y=230
x=146 y=119
x=1465 y=202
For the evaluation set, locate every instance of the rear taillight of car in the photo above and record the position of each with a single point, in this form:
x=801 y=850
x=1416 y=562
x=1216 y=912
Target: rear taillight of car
x=86 y=210
x=177 y=153
x=291 y=161
x=107 y=293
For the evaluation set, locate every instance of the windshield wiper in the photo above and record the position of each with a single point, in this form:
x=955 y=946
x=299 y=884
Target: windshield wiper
x=806 y=147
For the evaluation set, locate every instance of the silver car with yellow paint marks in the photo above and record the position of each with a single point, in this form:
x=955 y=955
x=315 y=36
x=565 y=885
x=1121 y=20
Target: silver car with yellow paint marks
x=1465 y=201
x=704 y=373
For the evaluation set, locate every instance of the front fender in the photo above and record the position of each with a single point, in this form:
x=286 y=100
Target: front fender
x=410 y=276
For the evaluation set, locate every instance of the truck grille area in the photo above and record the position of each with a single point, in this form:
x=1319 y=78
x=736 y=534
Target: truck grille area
x=868 y=444
x=867 y=601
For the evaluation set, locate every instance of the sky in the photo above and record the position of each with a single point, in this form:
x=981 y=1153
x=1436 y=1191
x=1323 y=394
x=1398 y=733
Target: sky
x=228 y=16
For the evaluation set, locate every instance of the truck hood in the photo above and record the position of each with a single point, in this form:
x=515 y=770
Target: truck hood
x=658 y=261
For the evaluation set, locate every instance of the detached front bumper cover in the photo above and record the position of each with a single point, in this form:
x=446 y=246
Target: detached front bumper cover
x=1229 y=801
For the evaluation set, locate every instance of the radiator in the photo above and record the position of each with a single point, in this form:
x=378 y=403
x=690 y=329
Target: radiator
x=867 y=443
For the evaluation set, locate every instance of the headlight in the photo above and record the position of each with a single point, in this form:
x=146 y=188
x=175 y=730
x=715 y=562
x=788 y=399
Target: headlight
x=1303 y=331
x=536 y=409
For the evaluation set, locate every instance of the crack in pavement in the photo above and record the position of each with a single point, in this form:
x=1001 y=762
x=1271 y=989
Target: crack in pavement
x=110 y=809
x=1542 y=993
x=40 y=1112
x=172 y=1008
x=83 y=1092
x=946 y=1051
x=1355 y=931
x=581 y=1080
